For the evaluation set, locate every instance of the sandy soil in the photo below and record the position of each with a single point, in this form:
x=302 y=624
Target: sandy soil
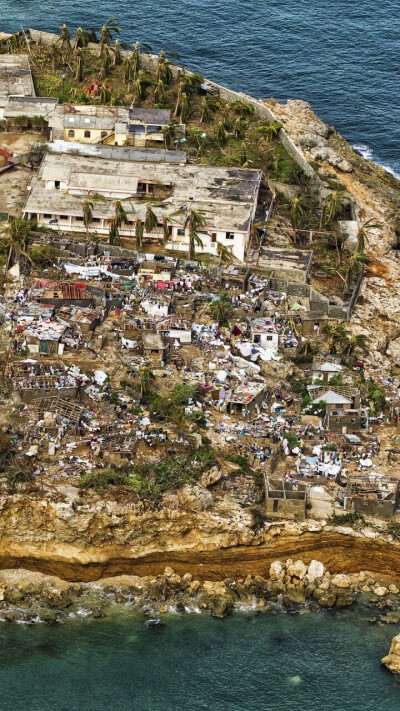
x=14 y=183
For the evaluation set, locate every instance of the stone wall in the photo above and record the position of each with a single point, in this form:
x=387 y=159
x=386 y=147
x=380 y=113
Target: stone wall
x=318 y=302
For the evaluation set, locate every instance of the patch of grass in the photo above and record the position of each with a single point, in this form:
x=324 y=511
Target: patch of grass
x=151 y=481
x=101 y=479
x=394 y=530
x=259 y=518
x=352 y=517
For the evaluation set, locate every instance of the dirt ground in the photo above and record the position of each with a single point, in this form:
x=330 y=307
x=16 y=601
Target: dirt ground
x=14 y=183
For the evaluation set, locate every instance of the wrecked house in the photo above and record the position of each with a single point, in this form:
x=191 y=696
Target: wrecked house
x=68 y=411
x=292 y=264
x=285 y=499
x=312 y=324
x=344 y=413
x=64 y=293
x=85 y=319
x=234 y=277
x=147 y=126
x=325 y=370
x=33 y=113
x=154 y=345
x=15 y=78
x=30 y=388
x=372 y=495
x=96 y=124
x=155 y=306
x=175 y=328
x=117 y=449
x=246 y=400
x=43 y=336
x=156 y=271
x=264 y=334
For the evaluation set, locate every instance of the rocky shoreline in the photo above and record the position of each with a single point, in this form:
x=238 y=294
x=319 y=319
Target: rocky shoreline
x=27 y=597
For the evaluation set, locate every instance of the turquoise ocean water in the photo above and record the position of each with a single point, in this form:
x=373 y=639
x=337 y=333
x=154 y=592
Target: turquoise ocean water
x=343 y=57
x=310 y=662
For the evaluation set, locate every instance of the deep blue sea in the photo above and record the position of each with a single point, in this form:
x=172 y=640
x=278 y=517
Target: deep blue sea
x=342 y=57
x=312 y=662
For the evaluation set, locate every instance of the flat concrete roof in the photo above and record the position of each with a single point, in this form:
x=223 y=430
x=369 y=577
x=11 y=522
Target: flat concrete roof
x=285 y=263
x=224 y=196
x=119 y=153
x=152 y=340
x=29 y=106
x=152 y=117
x=15 y=77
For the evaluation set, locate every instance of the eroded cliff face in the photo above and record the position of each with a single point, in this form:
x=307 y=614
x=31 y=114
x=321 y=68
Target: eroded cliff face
x=377 y=194
x=104 y=538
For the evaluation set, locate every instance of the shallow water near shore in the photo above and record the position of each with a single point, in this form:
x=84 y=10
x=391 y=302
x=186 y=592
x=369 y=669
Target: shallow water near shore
x=313 y=661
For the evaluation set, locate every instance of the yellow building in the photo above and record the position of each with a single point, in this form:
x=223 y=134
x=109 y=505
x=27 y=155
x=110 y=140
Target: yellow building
x=116 y=125
x=97 y=124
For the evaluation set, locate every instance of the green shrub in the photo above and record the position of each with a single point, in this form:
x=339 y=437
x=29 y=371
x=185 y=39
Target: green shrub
x=101 y=479
x=181 y=392
x=243 y=465
x=259 y=518
x=351 y=517
x=198 y=418
x=376 y=396
x=292 y=439
x=43 y=255
x=303 y=359
x=394 y=529
x=151 y=481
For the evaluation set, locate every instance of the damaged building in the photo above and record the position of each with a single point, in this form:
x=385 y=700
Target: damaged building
x=226 y=198
x=285 y=499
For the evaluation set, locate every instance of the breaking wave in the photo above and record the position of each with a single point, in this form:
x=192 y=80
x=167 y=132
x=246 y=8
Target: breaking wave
x=367 y=153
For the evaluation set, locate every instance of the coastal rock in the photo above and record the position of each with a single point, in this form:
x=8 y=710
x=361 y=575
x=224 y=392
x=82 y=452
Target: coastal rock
x=341 y=581
x=14 y=595
x=312 y=140
x=277 y=570
x=380 y=591
x=344 y=600
x=394 y=589
x=328 y=155
x=195 y=497
x=392 y=660
x=297 y=570
x=390 y=619
x=326 y=598
x=315 y=571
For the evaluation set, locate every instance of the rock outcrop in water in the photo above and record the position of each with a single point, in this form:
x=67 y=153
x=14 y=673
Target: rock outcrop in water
x=392 y=660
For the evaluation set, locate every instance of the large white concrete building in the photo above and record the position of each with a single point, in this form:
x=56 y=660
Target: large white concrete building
x=226 y=198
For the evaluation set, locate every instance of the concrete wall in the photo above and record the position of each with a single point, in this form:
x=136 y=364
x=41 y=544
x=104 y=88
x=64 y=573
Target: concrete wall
x=286 y=508
x=370 y=507
x=318 y=302
x=34 y=393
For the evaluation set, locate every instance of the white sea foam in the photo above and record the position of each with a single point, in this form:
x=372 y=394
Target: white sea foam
x=368 y=154
x=363 y=149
